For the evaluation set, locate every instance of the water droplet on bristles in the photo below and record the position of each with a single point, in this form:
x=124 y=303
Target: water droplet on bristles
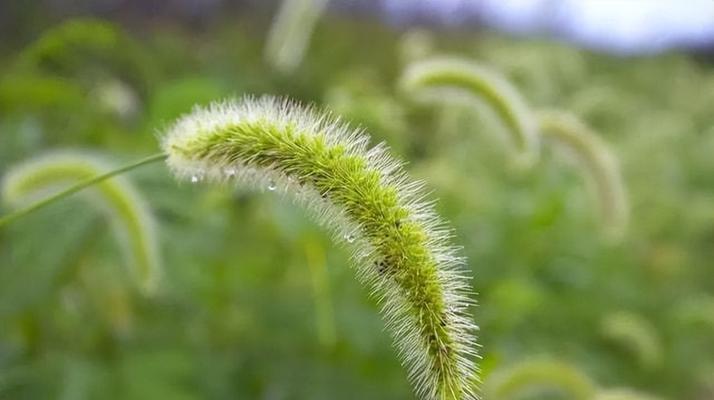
x=195 y=179
x=230 y=172
x=272 y=186
x=350 y=238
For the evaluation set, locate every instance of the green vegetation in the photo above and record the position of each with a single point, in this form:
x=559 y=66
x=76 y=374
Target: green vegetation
x=256 y=301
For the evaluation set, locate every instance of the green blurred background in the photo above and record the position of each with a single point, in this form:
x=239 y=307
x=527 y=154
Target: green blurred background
x=256 y=302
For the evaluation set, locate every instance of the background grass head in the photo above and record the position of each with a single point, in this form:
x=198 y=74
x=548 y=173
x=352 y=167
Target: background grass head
x=636 y=336
x=290 y=33
x=131 y=219
x=458 y=80
x=597 y=162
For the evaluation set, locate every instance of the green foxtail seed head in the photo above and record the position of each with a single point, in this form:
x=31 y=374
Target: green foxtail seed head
x=290 y=33
x=401 y=248
x=130 y=217
x=598 y=163
x=636 y=335
x=540 y=374
x=443 y=78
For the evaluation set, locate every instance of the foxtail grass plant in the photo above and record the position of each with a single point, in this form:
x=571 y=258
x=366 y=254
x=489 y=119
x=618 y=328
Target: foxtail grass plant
x=538 y=375
x=362 y=195
x=45 y=176
x=290 y=33
x=401 y=248
x=598 y=164
x=449 y=79
x=636 y=335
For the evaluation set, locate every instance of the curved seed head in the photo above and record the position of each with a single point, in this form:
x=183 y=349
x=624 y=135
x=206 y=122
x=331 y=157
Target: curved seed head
x=453 y=79
x=635 y=334
x=401 y=248
x=598 y=163
x=130 y=217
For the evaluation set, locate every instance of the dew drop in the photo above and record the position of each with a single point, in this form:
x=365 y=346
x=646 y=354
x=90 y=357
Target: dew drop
x=195 y=179
x=350 y=238
x=230 y=172
x=272 y=186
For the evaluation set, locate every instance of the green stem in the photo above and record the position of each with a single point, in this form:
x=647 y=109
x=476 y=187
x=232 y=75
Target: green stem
x=77 y=187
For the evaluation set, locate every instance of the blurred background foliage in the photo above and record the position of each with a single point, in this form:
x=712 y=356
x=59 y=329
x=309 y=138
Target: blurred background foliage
x=257 y=303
